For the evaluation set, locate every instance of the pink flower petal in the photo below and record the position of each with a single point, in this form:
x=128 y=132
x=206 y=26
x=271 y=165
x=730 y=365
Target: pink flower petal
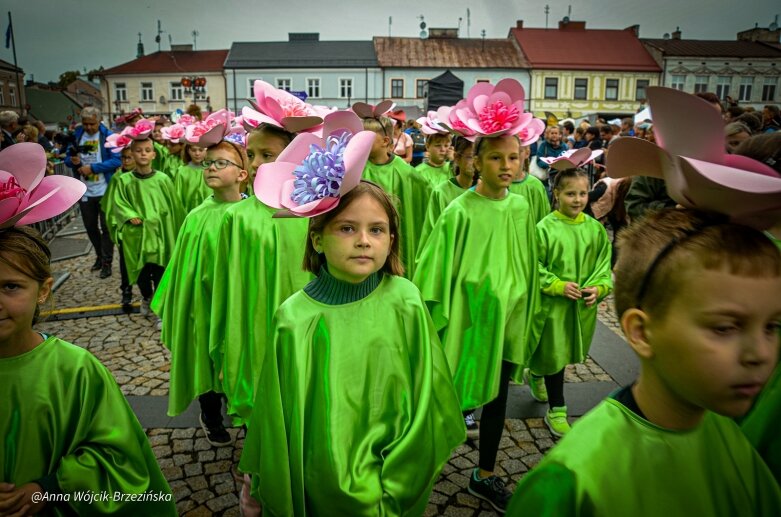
x=298 y=124
x=8 y=208
x=315 y=207
x=512 y=88
x=355 y=155
x=26 y=161
x=53 y=196
x=298 y=149
x=270 y=179
x=342 y=120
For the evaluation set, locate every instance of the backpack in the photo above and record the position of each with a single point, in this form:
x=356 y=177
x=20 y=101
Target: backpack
x=418 y=141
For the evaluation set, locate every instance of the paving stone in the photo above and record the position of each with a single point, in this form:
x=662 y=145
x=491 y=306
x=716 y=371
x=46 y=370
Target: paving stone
x=202 y=496
x=522 y=436
x=223 y=502
x=181 y=459
x=193 y=469
x=179 y=434
x=172 y=473
x=224 y=453
x=181 y=492
x=217 y=467
x=165 y=462
x=184 y=506
x=446 y=487
x=202 y=445
x=545 y=443
x=538 y=432
x=431 y=511
x=459 y=479
x=161 y=451
x=201 y=511
x=204 y=456
x=437 y=498
x=467 y=499
x=531 y=460
x=456 y=511
x=156 y=440
x=232 y=512
x=225 y=477
x=462 y=463
x=513 y=466
x=197 y=482
x=224 y=488
x=183 y=445
x=506 y=442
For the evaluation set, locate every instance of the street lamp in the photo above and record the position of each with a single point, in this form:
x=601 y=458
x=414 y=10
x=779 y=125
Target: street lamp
x=194 y=85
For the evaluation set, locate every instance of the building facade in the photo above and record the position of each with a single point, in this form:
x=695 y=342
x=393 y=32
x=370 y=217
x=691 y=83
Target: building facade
x=579 y=72
x=329 y=73
x=158 y=82
x=12 y=95
x=747 y=70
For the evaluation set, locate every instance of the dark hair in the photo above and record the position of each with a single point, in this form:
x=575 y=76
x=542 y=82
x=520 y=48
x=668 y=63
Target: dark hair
x=479 y=142
x=605 y=129
x=23 y=249
x=269 y=129
x=562 y=176
x=569 y=126
x=436 y=136
x=693 y=241
x=709 y=97
x=313 y=261
x=773 y=109
x=460 y=145
x=765 y=148
x=751 y=119
x=593 y=131
x=628 y=120
x=735 y=111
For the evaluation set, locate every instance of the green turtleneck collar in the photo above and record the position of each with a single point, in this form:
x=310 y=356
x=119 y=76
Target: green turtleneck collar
x=331 y=291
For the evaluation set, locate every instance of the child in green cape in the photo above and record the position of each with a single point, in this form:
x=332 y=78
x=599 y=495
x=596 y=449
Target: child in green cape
x=531 y=188
x=436 y=169
x=189 y=178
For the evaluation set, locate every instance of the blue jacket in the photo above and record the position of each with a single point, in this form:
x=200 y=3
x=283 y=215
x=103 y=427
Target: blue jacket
x=111 y=161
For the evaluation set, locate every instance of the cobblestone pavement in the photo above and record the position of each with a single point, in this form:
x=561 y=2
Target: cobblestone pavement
x=200 y=475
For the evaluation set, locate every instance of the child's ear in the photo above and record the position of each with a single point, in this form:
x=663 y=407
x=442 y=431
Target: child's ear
x=634 y=323
x=45 y=290
x=243 y=176
x=317 y=241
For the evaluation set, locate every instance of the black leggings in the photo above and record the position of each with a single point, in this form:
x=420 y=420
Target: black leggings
x=149 y=278
x=124 y=283
x=555 y=386
x=211 y=407
x=492 y=421
x=92 y=214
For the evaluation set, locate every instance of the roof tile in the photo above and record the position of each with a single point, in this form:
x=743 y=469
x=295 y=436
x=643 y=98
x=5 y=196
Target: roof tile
x=393 y=52
x=177 y=61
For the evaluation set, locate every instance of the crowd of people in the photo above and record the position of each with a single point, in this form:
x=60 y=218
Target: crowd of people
x=356 y=313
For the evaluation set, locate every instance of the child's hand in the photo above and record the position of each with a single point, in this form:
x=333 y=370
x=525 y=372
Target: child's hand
x=572 y=291
x=19 y=501
x=135 y=221
x=591 y=295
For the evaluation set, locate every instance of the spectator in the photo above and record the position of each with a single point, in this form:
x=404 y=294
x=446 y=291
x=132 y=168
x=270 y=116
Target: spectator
x=95 y=165
x=550 y=148
x=712 y=99
x=30 y=133
x=402 y=142
x=732 y=113
x=628 y=127
x=752 y=120
x=646 y=194
x=771 y=120
x=18 y=135
x=568 y=133
x=418 y=143
x=9 y=122
x=195 y=111
x=593 y=138
x=42 y=139
x=606 y=133
x=735 y=133
x=580 y=138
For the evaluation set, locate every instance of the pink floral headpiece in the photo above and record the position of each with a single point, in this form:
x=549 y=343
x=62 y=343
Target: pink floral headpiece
x=282 y=109
x=429 y=125
x=141 y=131
x=492 y=110
x=313 y=173
x=28 y=196
x=573 y=158
x=217 y=126
x=174 y=133
x=365 y=110
x=691 y=159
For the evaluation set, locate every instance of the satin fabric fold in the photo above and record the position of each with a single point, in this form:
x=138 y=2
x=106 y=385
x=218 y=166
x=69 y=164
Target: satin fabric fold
x=614 y=462
x=570 y=250
x=183 y=301
x=761 y=425
x=441 y=196
x=435 y=175
x=190 y=186
x=478 y=275
x=107 y=207
x=356 y=412
x=153 y=200
x=73 y=421
x=534 y=191
x=410 y=192
x=258 y=266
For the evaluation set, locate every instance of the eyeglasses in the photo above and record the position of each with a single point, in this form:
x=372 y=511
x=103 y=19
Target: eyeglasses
x=218 y=164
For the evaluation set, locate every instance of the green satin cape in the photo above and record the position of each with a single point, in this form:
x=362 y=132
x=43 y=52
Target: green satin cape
x=571 y=250
x=62 y=413
x=183 y=301
x=258 y=267
x=411 y=191
x=614 y=462
x=192 y=189
x=434 y=175
x=154 y=201
x=355 y=413
x=761 y=426
x=478 y=274
x=107 y=206
x=161 y=156
x=534 y=192
x=441 y=196
x=172 y=164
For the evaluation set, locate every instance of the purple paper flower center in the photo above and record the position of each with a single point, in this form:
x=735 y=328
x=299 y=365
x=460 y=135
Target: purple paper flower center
x=10 y=189
x=498 y=116
x=322 y=171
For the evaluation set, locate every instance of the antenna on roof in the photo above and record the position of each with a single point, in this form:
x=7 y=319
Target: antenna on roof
x=569 y=12
x=170 y=43
x=774 y=25
x=482 y=34
x=666 y=35
x=547 y=11
x=158 y=39
x=390 y=23
x=423 y=33
x=460 y=19
x=195 y=34
x=468 y=23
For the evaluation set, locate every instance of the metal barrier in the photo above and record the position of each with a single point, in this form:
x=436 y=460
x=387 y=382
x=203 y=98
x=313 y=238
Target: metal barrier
x=50 y=227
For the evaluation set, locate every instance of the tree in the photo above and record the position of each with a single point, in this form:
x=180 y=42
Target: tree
x=94 y=72
x=68 y=77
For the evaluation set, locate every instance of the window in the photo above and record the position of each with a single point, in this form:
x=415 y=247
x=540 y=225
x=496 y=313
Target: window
x=397 y=88
x=12 y=94
x=678 y=81
x=700 y=83
x=746 y=84
x=283 y=83
x=640 y=88
x=176 y=93
x=313 y=87
x=581 y=89
x=251 y=86
x=2 y=94
x=551 y=87
x=147 y=93
x=611 y=90
x=346 y=88
x=722 y=87
x=120 y=92
x=421 y=86
x=768 y=89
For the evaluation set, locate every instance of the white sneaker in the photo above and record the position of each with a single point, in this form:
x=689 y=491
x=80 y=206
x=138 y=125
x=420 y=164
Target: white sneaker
x=145 y=310
x=472 y=429
x=159 y=324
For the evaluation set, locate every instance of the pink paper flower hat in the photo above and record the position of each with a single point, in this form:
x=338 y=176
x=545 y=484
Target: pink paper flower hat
x=573 y=159
x=492 y=110
x=141 y=131
x=281 y=109
x=364 y=110
x=691 y=159
x=313 y=172
x=174 y=133
x=217 y=126
x=429 y=125
x=27 y=195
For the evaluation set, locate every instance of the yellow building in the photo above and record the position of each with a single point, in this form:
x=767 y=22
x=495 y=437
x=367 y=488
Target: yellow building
x=578 y=72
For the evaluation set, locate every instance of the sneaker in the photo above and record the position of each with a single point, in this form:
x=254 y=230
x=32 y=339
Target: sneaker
x=105 y=270
x=556 y=420
x=159 y=324
x=491 y=490
x=536 y=385
x=145 y=310
x=127 y=297
x=472 y=429
x=216 y=435
x=97 y=265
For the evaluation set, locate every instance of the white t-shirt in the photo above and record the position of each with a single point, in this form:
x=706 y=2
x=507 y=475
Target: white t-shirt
x=96 y=183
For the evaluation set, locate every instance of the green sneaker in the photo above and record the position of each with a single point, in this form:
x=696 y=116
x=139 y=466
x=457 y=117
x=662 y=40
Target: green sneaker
x=536 y=385
x=556 y=420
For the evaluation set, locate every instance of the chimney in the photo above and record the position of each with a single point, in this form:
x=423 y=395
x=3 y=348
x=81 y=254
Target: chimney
x=570 y=25
x=519 y=24
x=183 y=46
x=303 y=36
x=677 y=33
x=634 y=29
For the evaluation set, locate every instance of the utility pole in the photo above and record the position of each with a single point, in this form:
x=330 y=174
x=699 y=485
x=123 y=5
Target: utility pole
x=195 y=34
x=547 y=11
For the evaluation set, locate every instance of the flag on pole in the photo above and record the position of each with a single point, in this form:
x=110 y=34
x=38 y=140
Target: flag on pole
x=8 y=32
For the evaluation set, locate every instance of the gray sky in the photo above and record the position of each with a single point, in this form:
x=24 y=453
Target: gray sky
x=54 y=36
